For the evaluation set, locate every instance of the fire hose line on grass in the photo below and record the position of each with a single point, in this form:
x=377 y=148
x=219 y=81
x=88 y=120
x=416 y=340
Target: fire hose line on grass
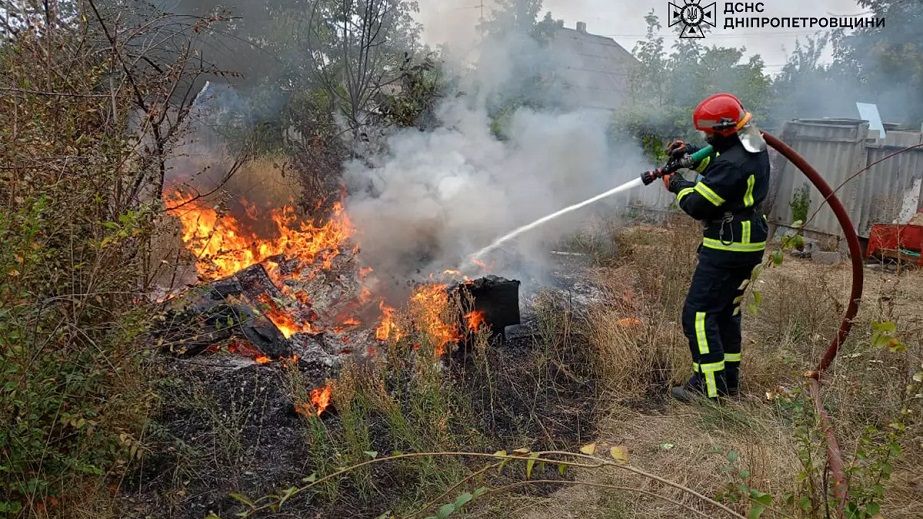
x=834 y=456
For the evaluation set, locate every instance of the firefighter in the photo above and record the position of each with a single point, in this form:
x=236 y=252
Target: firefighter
x=727 y=197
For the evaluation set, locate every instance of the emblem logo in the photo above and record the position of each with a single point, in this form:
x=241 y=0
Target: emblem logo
x=693 y=16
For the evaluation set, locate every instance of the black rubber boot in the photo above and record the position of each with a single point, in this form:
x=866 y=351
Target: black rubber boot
x=732 y=381
x=694 y=389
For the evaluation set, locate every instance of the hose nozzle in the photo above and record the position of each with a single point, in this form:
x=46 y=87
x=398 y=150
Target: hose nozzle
x=648 y=177
x=686 y=161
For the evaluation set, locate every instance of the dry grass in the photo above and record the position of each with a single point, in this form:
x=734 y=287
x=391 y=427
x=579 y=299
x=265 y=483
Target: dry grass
x=640 y=348
x=636 y=331
x=689 y=446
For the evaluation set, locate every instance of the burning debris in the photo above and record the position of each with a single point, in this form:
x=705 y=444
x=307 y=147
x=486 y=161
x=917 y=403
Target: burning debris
x=431 y=309
x=318 y=401
x=220 y=311
x=388 y=328
x=223 y=243
x=293 y=291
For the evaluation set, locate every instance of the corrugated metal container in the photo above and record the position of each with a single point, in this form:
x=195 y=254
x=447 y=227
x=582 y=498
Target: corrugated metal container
x=836 y=148
x=888 y=191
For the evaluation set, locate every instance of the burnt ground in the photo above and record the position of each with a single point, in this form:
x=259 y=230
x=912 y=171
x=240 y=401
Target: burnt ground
x=228 y=424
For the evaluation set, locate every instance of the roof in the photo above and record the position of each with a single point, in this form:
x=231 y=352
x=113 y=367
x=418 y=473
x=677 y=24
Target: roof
x=595 y=69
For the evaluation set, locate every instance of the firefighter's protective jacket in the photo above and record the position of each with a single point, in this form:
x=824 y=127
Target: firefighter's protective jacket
x=728 y=201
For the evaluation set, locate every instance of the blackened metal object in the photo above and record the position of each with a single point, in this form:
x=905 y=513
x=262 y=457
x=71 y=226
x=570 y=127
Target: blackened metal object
x=495 y=298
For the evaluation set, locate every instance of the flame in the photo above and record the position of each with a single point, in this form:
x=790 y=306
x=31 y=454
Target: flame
x=320 y=398
x=319 y=401
x=430 y=304
x=284 y=321
x=387 y=328
x=474 y=319
x=351 y=321
x=346 y=324
x=247 y=349
x=223 y=245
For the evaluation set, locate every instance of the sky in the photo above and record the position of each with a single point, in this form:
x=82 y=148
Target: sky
x=454 y=22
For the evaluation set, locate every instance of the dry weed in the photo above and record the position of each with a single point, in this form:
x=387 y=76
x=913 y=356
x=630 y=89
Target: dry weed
x=639 y=346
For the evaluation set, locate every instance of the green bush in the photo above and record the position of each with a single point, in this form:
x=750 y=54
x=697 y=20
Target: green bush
x=72 y=271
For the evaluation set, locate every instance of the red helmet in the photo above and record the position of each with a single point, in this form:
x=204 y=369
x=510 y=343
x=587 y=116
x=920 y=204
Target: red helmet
x=720 y=113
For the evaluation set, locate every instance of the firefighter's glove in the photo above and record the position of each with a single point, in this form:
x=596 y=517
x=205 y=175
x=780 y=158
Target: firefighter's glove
x=677 y=149
x=676 y=183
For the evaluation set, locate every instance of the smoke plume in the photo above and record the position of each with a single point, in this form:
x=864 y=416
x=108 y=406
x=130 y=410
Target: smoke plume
x=437 y=196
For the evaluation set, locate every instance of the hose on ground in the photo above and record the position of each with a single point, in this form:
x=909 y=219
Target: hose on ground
x=834 y=455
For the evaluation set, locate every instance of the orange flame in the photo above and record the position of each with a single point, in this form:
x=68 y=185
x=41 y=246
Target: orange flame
x=351 y=321
x=223 y=246
x=474 y=319
x=346 y=324
x=320 y=398
x=431 y=304
x=387 y=328
x=245 y=348
x=283 y=320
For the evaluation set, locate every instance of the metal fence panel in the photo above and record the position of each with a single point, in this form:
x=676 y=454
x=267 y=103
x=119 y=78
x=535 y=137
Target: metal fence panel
x=892 y=188
x=838 y=149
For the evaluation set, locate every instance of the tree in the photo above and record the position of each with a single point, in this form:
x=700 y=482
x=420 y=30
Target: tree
x=359 y=48
x=795 y=88
x=91 y=106
x=520 y=72
x=507 y=16
x=649 y=79
x=887 y=61
x=881 y=65
x=666 y=87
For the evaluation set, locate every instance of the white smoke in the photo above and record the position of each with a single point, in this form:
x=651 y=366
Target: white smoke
x=437 y=196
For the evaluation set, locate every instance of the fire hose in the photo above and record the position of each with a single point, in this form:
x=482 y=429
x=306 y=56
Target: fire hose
x=834 y=455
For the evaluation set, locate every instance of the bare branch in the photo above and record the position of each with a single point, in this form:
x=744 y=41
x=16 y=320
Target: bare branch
x=42 y=93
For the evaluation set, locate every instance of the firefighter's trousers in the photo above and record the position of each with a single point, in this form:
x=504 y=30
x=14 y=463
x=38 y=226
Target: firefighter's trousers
x=711 y=320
